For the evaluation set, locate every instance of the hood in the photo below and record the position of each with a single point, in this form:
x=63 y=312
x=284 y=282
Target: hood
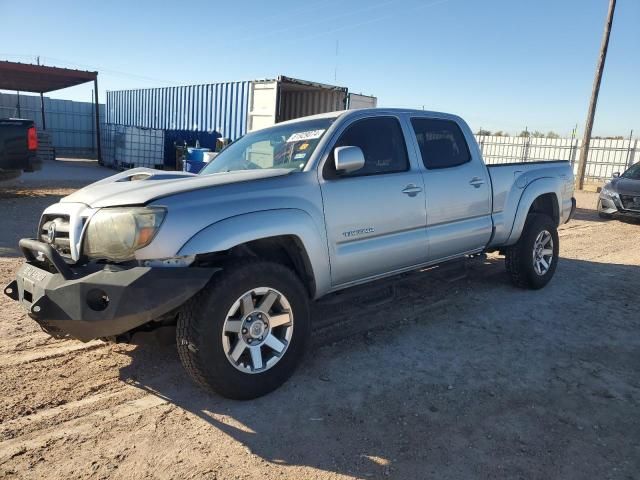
x=142 y=185
x=625 y=186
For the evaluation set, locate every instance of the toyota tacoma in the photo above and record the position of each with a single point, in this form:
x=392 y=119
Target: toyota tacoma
x=234 y=256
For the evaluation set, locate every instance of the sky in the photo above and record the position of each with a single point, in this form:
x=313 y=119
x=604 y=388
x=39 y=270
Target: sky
x=500 y=64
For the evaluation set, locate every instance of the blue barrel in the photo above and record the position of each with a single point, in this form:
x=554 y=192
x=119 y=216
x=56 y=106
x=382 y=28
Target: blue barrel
x=193 y=166
x=196 y=154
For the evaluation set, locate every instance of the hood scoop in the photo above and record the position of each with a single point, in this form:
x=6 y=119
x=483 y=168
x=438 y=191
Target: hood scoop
x=141 y=173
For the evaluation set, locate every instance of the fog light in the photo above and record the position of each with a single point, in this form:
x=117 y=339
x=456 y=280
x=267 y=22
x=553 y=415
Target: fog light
x=97 y=300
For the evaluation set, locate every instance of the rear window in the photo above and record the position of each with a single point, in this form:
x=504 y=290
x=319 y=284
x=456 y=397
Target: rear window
x=441 y=142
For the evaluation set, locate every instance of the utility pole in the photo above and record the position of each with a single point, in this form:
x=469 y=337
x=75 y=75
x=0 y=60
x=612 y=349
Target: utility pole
x=584 y=152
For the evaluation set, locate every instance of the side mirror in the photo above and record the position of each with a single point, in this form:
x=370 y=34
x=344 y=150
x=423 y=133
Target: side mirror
x=616 y=174
x=348 y=159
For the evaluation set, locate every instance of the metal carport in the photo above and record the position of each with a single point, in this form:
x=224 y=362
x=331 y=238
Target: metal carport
x=24 y=77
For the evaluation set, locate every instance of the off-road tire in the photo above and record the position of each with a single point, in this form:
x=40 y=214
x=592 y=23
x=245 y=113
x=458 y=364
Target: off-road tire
x=519 y=257
x=201 y=320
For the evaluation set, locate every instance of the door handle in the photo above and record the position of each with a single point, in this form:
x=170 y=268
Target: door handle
x=476 y=182
x=411 y=190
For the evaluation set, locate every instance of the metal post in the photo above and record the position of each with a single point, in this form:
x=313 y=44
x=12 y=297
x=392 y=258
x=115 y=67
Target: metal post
x=627 y=162
x=44 y=122
x=97 y=106
x=93 y=128
x=18 y=104
x=582 y=164
x=632 y=152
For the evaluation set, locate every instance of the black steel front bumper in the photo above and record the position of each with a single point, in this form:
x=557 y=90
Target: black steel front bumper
x=99 y=300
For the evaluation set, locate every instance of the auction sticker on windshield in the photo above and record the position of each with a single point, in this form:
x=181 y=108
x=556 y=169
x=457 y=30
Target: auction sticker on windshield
x=308 y=135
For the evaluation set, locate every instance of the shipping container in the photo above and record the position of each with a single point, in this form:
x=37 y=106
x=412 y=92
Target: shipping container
x=273 y=101
x=218 y=107
x=226 y=109
x=357 y=100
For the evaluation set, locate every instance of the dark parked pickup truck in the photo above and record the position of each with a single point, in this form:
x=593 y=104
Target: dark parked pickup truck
x=18 y=145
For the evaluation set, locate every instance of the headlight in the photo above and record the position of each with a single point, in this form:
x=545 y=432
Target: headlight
x=607 y=192
x=116 y=233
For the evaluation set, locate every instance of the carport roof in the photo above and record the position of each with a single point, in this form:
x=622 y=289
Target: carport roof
x=26 y=77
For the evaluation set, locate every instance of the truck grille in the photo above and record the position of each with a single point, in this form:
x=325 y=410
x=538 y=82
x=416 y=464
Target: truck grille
x=61 y=241
x=630 y=202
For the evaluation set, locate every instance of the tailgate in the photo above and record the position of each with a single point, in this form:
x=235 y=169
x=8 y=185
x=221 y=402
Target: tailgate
x=14 y=148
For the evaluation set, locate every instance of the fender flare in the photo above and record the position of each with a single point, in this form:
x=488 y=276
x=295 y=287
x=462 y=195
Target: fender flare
x=239 y=229
x=535 y=189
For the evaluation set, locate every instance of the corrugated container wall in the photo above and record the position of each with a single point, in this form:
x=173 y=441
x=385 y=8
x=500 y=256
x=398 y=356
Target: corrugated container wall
x=71 y=124
x=216 y=107
x=300 y=103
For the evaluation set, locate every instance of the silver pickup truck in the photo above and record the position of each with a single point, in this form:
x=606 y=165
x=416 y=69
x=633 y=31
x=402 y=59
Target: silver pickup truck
x=234 y=256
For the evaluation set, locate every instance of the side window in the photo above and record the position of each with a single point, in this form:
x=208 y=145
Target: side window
x=382 y=143
x=441 y=142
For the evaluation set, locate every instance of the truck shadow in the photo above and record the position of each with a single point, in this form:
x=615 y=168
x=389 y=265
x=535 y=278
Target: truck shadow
x=438 y=381
x=587 y=214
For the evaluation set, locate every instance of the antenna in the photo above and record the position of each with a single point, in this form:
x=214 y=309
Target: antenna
x=335 y=70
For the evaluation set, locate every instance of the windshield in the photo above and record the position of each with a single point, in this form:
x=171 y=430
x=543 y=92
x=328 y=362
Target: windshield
x=283 y=146
x=633 y=172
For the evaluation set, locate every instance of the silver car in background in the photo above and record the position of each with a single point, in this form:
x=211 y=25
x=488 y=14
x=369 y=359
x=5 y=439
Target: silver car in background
x=621 y=195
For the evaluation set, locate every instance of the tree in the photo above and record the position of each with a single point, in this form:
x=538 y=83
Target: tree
x=537 y=134
x=524 y=133
x=484 y=132
x=500 y=133
x=552 y=134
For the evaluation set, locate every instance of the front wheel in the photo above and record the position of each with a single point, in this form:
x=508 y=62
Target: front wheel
x=244 y=334
x=532 y=261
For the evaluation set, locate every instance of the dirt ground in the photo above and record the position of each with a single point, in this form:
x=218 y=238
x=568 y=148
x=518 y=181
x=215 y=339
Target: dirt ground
x=442 y=374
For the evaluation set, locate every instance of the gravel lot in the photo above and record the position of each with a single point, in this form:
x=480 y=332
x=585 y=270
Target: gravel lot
x=456 y=375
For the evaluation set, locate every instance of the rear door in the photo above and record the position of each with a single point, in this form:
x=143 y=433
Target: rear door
x=457 y=188
x=375 y=217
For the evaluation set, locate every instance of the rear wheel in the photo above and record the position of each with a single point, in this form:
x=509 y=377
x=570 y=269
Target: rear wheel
x=245 y=333
x=532 y=261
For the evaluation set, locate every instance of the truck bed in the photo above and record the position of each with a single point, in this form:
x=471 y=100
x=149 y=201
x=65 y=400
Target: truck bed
x=506 y=198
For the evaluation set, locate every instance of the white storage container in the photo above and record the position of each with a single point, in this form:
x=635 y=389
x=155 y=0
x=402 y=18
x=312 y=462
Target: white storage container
x=137 y=147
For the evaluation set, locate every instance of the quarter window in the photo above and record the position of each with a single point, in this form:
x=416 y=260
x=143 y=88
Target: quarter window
x=382 y=144
x=441 y=142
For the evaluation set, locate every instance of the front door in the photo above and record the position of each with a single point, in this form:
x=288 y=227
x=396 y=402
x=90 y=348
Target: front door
x=375 y=217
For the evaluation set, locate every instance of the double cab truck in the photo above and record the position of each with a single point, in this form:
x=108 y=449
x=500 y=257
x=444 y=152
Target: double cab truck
x=234 y=256
x=18 y=147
